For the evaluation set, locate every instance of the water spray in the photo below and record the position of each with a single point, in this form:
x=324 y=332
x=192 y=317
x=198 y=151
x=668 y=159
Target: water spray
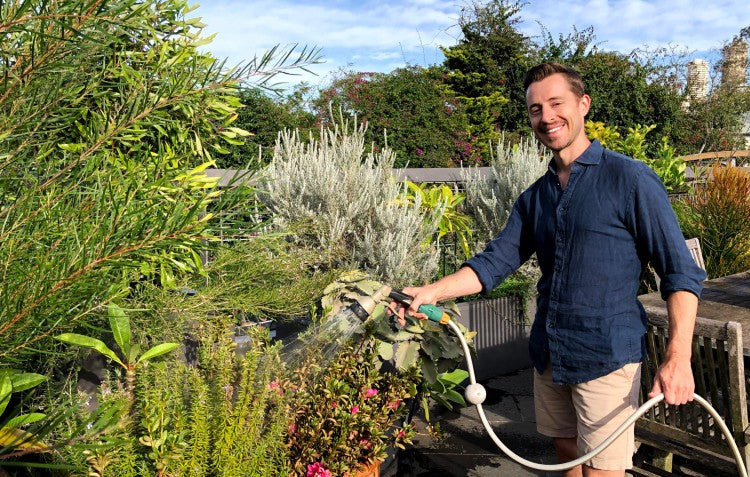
x=475 y=393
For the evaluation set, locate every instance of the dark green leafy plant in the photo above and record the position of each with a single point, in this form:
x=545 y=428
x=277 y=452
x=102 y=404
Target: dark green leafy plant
x=12 y=437
x=132 y=358
x=430 y=347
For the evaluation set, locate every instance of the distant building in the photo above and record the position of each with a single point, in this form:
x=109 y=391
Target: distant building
x=734 y=63
x=697 y=80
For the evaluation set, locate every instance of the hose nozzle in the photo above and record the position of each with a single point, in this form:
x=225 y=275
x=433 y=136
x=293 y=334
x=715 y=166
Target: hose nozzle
x=434 y=313
x=365 y=305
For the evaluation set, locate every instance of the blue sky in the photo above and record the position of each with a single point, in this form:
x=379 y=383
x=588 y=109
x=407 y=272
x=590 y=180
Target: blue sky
x=381 y=35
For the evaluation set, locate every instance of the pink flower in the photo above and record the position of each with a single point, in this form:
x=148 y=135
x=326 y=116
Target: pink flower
x=420 y=152
x=274 y=385
x=365 y=443
x=394 y=404
x=334 y=404
x=318 y=470
x=292 y=429
x=401 y=434
x=370 y=392
x=355 y=409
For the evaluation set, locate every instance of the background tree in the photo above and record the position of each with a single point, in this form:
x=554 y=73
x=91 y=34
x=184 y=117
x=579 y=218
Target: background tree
x=263 y=114
x=714 y=123
x=409 y=108
x=486 y=70
x=623 y=95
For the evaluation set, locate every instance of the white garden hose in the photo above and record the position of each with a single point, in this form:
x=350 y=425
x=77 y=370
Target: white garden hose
x=476 y=394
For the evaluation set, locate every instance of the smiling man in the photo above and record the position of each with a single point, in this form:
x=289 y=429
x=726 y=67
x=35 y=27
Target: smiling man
x=595 y=220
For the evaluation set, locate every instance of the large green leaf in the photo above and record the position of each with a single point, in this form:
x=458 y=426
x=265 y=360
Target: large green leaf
x=157 y=350
x=385 y=350
x=24 y=419
x=454 y=396
x=24 y=381
x=407 y=354
x=120 y=325
x=88 y=342
x=6 y=388
x=454 y=378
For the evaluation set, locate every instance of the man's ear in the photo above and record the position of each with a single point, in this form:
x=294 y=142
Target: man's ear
x=584 y=103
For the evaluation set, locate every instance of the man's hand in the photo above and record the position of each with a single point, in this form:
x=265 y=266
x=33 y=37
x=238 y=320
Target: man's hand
x=674 y=378
x=463 y=282
x=421 y=295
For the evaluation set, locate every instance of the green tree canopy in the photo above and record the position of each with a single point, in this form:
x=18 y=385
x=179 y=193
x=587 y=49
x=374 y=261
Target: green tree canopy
x=423 y=124
x=486 y=69
x=263 y=115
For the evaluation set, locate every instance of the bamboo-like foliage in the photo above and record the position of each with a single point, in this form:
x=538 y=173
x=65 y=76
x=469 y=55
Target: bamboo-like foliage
x=108 y=115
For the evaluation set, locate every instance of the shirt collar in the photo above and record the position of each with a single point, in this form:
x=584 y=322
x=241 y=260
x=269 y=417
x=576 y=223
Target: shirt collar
x=591 y=156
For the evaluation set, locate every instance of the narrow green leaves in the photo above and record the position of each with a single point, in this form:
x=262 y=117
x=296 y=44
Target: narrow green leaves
x=157 y=350
x=120 y=325
x=88 y=342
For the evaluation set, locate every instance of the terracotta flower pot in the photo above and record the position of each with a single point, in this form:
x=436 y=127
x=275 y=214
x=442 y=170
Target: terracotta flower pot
x=372 y=470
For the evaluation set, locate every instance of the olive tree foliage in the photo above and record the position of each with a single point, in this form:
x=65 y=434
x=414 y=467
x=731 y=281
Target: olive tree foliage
x=343 y=201
x=108 y=116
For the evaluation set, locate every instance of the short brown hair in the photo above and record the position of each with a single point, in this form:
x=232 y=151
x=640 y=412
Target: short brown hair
x=544 y=70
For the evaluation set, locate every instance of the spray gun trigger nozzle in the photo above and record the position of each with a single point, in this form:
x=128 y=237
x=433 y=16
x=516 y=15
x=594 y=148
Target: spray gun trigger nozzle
x=401 y=297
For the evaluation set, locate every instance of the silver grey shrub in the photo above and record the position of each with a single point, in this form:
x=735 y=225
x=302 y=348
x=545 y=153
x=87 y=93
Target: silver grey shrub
x=489 y=200
x=346 y=204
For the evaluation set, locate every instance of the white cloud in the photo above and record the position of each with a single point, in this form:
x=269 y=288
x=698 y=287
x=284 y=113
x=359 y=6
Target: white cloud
x=380 y=35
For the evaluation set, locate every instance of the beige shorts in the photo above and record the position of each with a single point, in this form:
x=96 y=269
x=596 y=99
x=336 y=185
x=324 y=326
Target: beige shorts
x=591 y=411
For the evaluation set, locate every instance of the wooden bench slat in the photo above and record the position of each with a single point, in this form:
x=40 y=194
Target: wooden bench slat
x=718 y=369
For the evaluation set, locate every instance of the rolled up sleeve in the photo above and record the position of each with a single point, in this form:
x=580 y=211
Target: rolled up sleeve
x=658 y=235
x=503 y=254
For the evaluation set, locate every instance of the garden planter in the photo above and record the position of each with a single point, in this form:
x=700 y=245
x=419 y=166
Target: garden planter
x=372 y=470
x=502 y=327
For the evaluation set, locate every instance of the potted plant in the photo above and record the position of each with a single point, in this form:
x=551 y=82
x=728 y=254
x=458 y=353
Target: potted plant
x=346 y=412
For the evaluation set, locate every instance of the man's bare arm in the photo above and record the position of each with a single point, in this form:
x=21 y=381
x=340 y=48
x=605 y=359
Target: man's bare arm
x=674 y=377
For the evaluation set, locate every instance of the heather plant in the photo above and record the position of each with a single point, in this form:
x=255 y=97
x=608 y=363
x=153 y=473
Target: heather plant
x=718 y=213
x=221 y=415
x=346 y=204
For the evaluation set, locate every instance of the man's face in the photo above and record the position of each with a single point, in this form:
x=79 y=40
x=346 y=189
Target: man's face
x=557 y=115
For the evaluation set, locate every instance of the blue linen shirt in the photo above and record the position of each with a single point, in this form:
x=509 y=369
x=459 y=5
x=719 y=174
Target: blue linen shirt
x=593 y=241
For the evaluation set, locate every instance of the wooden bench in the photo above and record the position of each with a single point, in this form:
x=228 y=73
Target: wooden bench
x=684 y=440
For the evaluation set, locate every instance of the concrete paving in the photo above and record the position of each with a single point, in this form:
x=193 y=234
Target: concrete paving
x=466 y=450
